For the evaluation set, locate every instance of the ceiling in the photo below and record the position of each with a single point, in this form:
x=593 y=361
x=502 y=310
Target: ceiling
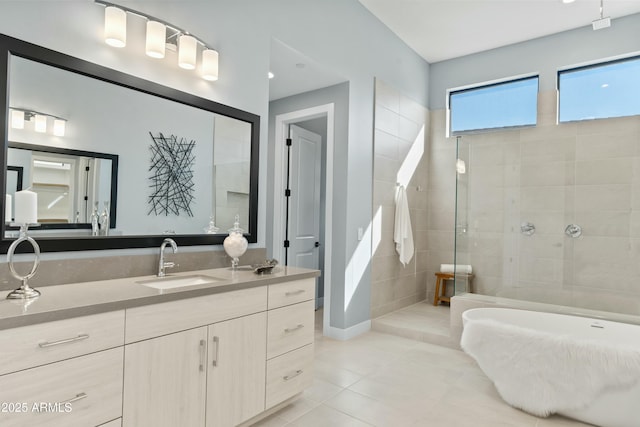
x=443 y=29
x=295 y=73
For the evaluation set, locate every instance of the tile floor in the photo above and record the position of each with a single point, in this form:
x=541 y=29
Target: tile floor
x=379 y=379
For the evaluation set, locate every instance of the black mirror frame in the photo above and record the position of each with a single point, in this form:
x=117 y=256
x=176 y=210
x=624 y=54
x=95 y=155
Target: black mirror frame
x=10 y=46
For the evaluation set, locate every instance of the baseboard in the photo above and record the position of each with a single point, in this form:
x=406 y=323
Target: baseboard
x=348 y=333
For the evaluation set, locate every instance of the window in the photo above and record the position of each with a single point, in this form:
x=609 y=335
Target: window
x=600 y=91
x=499 y=105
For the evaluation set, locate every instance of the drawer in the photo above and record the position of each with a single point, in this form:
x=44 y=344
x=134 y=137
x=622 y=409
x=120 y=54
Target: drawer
x=83 y=391
x=289 y=328
x=34 y=345
x=288 y=293
x=289 y=374
x=154 y=320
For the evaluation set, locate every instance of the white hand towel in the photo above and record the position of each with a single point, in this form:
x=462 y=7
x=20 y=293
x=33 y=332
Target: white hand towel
x=402 y=234
x=458 y=268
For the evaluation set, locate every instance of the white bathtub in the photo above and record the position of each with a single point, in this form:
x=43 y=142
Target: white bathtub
x=531 y=355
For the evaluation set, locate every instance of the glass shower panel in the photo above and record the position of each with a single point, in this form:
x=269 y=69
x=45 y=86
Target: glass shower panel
x=461 y=240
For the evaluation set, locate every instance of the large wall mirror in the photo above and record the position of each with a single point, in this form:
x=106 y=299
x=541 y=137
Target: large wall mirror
x=149 y=160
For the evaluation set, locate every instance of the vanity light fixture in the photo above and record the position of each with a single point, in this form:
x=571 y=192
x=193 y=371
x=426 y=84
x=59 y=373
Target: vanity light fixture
x=17 y=119
x=115 y=26
x=41 y=123
x=156 y=39
x=19 y=115
x=161 y=35
x=187 y=52
x=210 y=65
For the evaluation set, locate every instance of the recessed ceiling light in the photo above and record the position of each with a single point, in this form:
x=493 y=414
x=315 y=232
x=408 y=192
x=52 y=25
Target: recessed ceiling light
x=271 y=75
x=568 y=1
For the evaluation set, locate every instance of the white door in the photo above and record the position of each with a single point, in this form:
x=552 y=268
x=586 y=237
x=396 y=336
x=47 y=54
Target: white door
x=304 y=203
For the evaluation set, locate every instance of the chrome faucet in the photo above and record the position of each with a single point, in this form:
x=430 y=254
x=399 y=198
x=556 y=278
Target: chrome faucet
x=161 y=264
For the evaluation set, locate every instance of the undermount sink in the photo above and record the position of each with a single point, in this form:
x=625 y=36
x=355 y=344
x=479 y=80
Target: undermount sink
x=169 y=282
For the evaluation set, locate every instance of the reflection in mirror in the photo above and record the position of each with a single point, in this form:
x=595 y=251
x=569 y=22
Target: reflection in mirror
x=69 y=184
x=181 y=159
x=149 y=135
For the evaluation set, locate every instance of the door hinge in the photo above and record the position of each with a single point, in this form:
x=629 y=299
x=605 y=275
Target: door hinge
x=286 y=243
x=289 y=142
x=287 y=193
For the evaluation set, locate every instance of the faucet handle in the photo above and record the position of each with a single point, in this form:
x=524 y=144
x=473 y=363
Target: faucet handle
x=169 y=264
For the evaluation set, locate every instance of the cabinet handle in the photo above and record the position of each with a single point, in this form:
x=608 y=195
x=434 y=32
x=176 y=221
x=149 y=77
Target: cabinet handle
x=296 y=292
x=64 y=341
x=79 y=396
x=288 y=377
x=289 y=330
x=203 y=348
x=216 y=342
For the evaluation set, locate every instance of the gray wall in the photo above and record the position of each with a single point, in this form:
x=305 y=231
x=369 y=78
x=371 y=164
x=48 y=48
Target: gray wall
x=544 y=55
x=339 y=96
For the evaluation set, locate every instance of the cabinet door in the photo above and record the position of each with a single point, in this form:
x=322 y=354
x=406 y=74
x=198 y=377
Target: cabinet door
x=165 y=381
x=237 y=363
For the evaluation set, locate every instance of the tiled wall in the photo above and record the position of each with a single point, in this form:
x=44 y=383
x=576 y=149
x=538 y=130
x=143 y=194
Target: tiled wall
x=398 y=145
x=587 y=173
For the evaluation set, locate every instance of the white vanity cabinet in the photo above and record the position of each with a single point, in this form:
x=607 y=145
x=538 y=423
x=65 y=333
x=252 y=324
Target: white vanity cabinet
x=210 y=375
x=63 y=373
x=289 y=340
x=216 y=360
x=165 y=380
x=236 y=374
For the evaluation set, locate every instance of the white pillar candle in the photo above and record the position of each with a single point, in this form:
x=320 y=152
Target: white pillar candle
x=7 y=208
x=26 y=207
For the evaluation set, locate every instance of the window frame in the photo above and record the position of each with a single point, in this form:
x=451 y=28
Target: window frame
x=485 y=85
x=591 y=65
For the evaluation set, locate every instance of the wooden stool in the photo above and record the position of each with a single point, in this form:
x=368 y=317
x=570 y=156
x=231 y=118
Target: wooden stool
x=441 y=286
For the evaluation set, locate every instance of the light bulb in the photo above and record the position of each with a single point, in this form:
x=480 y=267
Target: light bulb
x=156 y=39
x=115 y=26
x=41 y=123
x=187 y=46
x=210 y=65
x=17 y=119
x=59 y=127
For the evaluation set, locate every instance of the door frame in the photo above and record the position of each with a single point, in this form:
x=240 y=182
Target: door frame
x=282 y=121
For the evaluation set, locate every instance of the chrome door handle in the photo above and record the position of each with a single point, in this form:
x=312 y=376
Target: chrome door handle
x=299 y=326
x=78 y=396
x=216 y=342
x=203 y=347
x=64 y=341
x=295 y=374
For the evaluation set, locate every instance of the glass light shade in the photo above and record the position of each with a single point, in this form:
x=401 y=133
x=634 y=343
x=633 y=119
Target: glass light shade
x=187 y=51
x=210 y=65
x=41 y=123
x=156 y=39
x=115 y=26
x=59 y=126
x=17 y=119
